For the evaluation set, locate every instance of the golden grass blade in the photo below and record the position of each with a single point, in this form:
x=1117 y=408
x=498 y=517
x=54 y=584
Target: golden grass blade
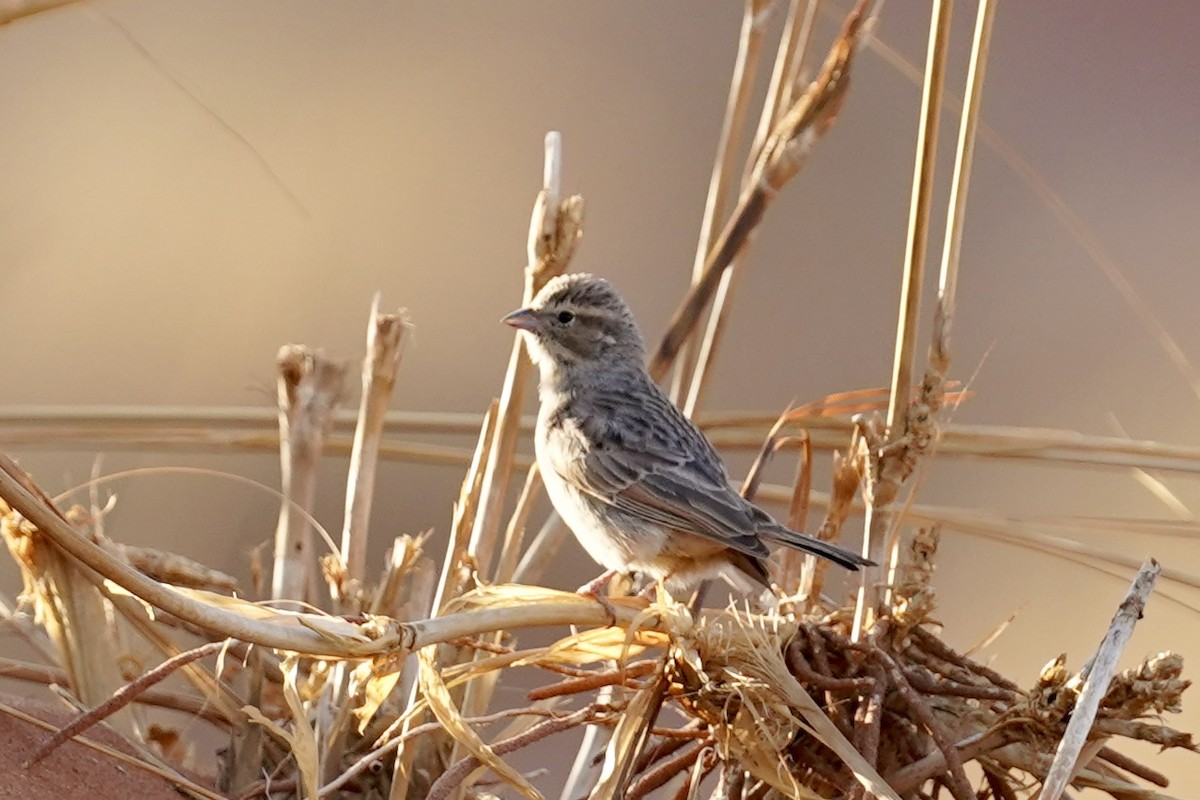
x=303 y=737
x=627 y=741
x=437 y=695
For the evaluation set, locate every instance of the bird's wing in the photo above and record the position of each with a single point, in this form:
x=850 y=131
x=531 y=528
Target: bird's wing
x=650 y=461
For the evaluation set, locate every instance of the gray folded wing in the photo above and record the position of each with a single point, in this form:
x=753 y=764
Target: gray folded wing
x=669 y=484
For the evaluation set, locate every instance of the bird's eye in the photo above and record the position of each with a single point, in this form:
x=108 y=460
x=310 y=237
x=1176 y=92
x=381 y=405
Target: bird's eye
x=565 y=317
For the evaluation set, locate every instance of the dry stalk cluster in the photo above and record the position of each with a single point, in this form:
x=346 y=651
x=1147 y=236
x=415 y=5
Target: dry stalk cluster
x=340 y=683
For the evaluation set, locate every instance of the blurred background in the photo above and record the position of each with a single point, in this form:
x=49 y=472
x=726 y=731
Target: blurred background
x=184 y=187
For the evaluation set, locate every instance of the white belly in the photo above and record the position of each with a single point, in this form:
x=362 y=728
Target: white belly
x=611 y=538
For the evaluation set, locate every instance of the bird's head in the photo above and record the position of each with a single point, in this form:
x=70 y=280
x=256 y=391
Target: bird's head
x=579 y=319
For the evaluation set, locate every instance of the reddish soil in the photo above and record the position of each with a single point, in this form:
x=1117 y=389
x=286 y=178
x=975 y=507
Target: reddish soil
x=73 y=771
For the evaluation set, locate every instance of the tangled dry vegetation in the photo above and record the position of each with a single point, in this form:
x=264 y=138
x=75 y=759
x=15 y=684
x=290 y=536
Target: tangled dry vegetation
x=391 y=692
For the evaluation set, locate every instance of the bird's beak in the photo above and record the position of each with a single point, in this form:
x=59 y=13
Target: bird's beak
x=524 y=319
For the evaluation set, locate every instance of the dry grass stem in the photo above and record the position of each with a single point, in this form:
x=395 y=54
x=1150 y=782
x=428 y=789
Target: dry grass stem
x=961 y=180
x=919 y=213
x=385 y=337
x=826 y=428
x=72 y=611
x=555 y=228
x=303 y=635
x=514 y=534
x=741 y=85
x=892 y=459
x=921 y=416
x=792 y=563
x=120 y=698
x=797 y=31
x=782 y=156
x=1097 y=675
x=310 y=385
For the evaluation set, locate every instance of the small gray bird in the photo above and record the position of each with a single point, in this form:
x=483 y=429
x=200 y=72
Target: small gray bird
x=635 y=480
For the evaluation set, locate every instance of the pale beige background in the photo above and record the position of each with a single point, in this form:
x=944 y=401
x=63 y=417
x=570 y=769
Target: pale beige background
x=186 y=186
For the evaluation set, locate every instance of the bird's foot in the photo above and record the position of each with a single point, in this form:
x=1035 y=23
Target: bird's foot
x=597 y=589
x=649 y=592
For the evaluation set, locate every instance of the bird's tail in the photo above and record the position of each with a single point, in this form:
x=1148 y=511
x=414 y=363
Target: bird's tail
x=809 y=544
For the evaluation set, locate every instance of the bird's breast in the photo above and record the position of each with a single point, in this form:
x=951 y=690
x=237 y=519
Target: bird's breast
x=611 y=537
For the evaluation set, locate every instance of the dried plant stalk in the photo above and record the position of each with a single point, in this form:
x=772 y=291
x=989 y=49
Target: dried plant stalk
x=782 y=156
x=416 y=766
x=385 y=337
x=310 y=385
x=741 y=85
x=554 y=232
x=797 y=31
x=1099 y=672
x=920 y=417
x=315 y=636
x=892 y=467
x=72 y=611
x=204 y=431
x=120 y=698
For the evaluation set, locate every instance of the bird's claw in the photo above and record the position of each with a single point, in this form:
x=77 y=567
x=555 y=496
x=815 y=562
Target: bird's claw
x=597 y=589
x=606 y=604
x=649 y=592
